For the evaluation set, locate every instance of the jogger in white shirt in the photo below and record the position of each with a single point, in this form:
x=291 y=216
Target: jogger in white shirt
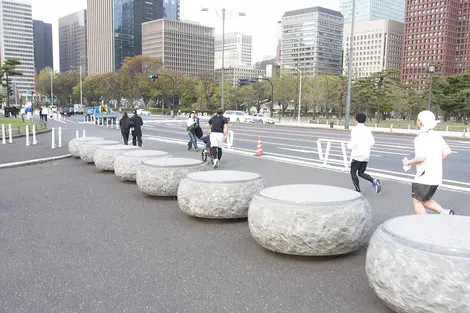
x=360 y=144
x=430 y=151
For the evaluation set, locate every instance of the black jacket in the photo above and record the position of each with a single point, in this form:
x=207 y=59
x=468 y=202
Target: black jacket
x=124 y=123
x=137 y=123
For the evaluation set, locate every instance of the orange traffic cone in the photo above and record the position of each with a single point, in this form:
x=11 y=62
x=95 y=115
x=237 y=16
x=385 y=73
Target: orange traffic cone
x=259 y=147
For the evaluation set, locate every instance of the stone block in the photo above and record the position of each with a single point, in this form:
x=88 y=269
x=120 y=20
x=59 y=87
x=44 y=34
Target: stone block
x=125 y=166
x=310 y=220
x=421 y=263
x=218 y=194
x=88 y=148
x=161 y=176
x=74 y=144
x=105 y=156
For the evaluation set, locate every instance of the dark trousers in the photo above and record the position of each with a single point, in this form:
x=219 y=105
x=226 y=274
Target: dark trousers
x=125 y=136
x=217 y=153
x=137 y=138
x=358 y=167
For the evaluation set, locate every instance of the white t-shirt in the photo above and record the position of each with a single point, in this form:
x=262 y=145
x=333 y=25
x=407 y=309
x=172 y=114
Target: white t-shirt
x=361 y=142
x=431 y=146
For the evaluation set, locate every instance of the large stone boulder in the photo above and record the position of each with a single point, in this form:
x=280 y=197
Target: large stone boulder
x=218 y=194
x=421 y=263
x=311 y=220
x=105 y=156
x=125 y=166
x=74 y=144
x=161 y=176
x=88 y=148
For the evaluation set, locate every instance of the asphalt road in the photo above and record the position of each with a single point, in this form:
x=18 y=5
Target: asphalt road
x=77 y=240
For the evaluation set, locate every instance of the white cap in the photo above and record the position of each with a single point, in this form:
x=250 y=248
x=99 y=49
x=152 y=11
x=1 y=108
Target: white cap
x=428 y=119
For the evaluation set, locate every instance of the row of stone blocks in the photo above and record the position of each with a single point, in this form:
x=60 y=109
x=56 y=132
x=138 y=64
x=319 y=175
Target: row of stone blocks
x=414 y=263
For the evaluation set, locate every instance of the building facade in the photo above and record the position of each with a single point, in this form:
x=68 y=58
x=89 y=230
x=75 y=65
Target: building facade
x=43 y=50
x=172 y=9
x=183 y=47
x=312 y=41
x=73 y=42
x=238 y=50
x=17 y=41
x=100 y=41
x=377 y=47
x=370 y=10
x=232 y=75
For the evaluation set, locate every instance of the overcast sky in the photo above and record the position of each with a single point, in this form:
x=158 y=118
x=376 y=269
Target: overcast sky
x=260 y=20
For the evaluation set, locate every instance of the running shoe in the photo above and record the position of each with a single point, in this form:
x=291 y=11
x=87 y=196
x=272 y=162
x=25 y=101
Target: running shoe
x=447 y=212
x=216 y=163
x=377 y=185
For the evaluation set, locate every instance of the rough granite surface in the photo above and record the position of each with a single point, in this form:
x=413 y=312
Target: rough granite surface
x=88 y=148
x=105 y=156
x=163 y=181
x=218 y=197
x=125 y=165
x=416 y=277
x=315 y=229
x=74 y=144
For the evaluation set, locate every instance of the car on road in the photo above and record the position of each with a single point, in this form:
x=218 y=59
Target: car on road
x=238 y=117
x=143 y=112
x=263 y=118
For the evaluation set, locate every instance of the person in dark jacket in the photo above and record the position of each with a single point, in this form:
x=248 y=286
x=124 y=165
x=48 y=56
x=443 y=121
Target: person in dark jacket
x=125 y=125
x=137 y=123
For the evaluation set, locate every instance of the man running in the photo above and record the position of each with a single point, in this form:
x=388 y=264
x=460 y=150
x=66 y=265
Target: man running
x=430 y=150
x=218 y=125
x=361 y=142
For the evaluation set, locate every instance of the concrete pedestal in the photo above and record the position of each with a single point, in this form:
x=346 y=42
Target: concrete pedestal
x=105 y=156
x=421 y=263
x=218 y=194
x=161 y=176
x=125 y=166
x=74 y=144
x=88 y=148
x=311 y=220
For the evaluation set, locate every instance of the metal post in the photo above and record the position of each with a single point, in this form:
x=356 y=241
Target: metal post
x=77 y=134
x=60 y=137
x=10 y=137
x=81 y=89
x=27 y=135
x=53 y=138
x=35 y=142
x=84 y=133
x=222 y=100
x=430 y=92
x=350 y=64
x=3 y=135
x=300 y=94
x=52 y=87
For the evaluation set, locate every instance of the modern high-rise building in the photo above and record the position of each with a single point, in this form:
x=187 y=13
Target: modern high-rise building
x=172 y=9
x=312 y=41
x=238 y=50
x=234 y=74
x=377 y=47
x=17 y=41
x=100 y=36
x=43 y=51
x=370 y=10
x=183 y=47
x=73 y=42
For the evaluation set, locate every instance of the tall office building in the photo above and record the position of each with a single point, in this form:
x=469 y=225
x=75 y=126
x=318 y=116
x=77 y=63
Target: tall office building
x=43 y=51
x=172 y=9
x=183 y=47
x=238 y=50
x=436 y=33
x=377 y=47
x=100 y=36
x=73 y=42
x=312 y=41
x=17 y=40
x=370 y=10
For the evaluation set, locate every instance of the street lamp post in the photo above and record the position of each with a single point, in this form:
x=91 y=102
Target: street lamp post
x=222 y=70
x=350 y=64
x=431 y=70
x=154 y=77
x=272 y=92
x=52 y=86
x=300 y=88
x=81 y=84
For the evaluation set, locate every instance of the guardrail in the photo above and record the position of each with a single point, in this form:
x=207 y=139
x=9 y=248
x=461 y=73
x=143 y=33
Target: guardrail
x=325 y=157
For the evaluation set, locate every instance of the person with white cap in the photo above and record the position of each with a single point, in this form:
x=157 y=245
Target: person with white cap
x=430 y=151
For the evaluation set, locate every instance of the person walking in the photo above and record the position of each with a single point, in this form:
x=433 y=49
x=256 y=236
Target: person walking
x=361 y=142
x=125 y=125
x=430 y=150
x=191 y=126
x=136 y=123
x=218 y=126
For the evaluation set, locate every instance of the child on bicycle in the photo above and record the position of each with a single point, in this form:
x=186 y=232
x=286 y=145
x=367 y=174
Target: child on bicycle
x=207 y=142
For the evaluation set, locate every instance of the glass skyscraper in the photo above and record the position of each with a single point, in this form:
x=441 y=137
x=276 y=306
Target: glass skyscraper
x=172 y=9
x=371 y=10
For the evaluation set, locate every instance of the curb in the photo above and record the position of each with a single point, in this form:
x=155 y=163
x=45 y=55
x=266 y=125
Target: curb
x=37 y=133
x=35 y=161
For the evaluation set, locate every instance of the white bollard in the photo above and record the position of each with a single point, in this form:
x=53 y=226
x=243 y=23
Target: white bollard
x=53 y=138
x=84 y=133
x=112 y=123
x=27 y=135
x=35 y=142
x=117 y=125
x=447 y=128
x=10 y=139
x=107 y=122
x=3 y=135
x=391 y=128
x=77 y=134
x=60 y=137
x=409 y=126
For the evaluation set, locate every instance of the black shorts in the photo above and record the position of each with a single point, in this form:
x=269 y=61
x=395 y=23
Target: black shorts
x=422 y=192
